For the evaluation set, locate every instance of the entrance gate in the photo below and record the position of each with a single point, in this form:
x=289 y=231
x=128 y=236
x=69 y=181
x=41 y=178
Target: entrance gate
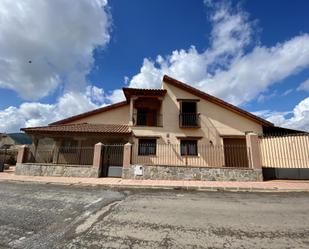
x=112 y=160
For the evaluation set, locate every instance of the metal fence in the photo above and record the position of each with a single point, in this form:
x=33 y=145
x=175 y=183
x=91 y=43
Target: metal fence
x=203 y=155
x=62 y=155
x=285 y=151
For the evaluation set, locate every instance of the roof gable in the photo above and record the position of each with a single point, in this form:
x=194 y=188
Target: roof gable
x=90 y=113
x=215 y=100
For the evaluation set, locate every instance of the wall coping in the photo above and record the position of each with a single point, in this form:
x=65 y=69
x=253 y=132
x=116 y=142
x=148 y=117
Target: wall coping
x=198 y=167
x=58 y=165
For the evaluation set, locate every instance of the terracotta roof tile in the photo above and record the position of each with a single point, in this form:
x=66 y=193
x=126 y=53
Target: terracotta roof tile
x=81 y=128
x=128 y=92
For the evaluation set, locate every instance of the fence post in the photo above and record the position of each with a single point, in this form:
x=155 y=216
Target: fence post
x=127 y=155
x=254 y=156
x=56 y=151
x=22 y=154
x=97 y=155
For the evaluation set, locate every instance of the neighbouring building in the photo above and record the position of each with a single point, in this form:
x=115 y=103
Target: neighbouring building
x=175 y=132
x=12 y=140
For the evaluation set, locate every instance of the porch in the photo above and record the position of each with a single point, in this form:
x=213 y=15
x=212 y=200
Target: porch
x=74 y=150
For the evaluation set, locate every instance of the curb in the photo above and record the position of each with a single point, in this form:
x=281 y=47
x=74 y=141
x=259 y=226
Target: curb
x=163 y=187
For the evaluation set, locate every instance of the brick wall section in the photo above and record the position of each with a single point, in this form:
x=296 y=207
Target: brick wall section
x=55 y=170
x=194 y=173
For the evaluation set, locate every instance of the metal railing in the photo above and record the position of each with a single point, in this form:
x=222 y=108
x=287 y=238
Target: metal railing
x=284 y=151
x=62 y=155
x=189 y=120
x=147 y=119
x=207 y=156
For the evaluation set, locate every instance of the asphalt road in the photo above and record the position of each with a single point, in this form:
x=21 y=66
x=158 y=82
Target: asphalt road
x=51 y=216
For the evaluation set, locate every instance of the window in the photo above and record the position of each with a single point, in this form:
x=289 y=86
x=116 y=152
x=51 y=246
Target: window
x=188 y=107
x=141 y=117
x=188 y=147
x=188 y=114
x=147 y=147
x=146 y=117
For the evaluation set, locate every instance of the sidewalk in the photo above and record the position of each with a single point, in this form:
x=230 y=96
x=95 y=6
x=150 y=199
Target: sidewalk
x=269 y=186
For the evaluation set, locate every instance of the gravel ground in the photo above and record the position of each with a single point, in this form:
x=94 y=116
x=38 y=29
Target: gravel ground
x=54 y=216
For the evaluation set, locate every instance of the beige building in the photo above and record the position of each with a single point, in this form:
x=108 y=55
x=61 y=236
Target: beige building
x=176 y=125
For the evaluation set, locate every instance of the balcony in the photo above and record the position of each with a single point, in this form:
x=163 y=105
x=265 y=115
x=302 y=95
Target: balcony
x=147 y=118
x=189 y=120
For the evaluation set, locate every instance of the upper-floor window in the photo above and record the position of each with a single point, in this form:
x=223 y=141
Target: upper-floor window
x=188 y=116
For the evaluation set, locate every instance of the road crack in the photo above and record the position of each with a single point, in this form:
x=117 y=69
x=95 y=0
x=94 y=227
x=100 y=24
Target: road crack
x=92 y=218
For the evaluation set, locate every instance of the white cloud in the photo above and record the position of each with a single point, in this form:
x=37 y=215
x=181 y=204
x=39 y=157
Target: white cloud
x=116 y=96
x=47 y=43
x=304 y=86
x=297 y=119
x=96 y=93
x=227 y=68
x=37 y=114
x=263 y=97
x=256 y=71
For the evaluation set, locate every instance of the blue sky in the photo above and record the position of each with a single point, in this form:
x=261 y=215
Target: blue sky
x=122 y=34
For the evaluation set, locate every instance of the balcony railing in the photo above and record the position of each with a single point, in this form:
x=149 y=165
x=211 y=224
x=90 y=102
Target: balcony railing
x=189 y=120
x=147 y=119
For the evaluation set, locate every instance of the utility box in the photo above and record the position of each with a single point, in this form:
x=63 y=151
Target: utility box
x=138 y=170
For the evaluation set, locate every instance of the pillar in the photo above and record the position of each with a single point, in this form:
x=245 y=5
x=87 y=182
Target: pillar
x=127 y=155
x=22 y=154
x=131 y=112
x=56 y=151
x=35 y=146
x=97 y=155
x=254 y=155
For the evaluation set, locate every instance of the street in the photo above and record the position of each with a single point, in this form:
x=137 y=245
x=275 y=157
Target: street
x=63 y=216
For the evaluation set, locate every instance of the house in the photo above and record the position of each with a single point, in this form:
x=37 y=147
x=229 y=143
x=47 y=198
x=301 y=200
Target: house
x=176 y=132
x=11 y=140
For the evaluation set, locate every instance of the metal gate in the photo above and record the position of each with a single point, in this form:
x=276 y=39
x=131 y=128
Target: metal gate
x=112 y=160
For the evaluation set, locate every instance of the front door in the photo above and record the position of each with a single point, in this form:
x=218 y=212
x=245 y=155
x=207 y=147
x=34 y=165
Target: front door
x=112 y=160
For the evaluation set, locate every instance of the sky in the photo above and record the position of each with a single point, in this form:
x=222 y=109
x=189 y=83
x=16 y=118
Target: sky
x=64 y=57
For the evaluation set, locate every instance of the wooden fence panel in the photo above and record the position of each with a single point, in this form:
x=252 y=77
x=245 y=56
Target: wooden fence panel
x=288 y=151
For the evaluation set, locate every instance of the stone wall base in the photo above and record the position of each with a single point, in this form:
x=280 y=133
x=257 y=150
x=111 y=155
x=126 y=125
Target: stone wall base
x=55 y=170
x=193 y=173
